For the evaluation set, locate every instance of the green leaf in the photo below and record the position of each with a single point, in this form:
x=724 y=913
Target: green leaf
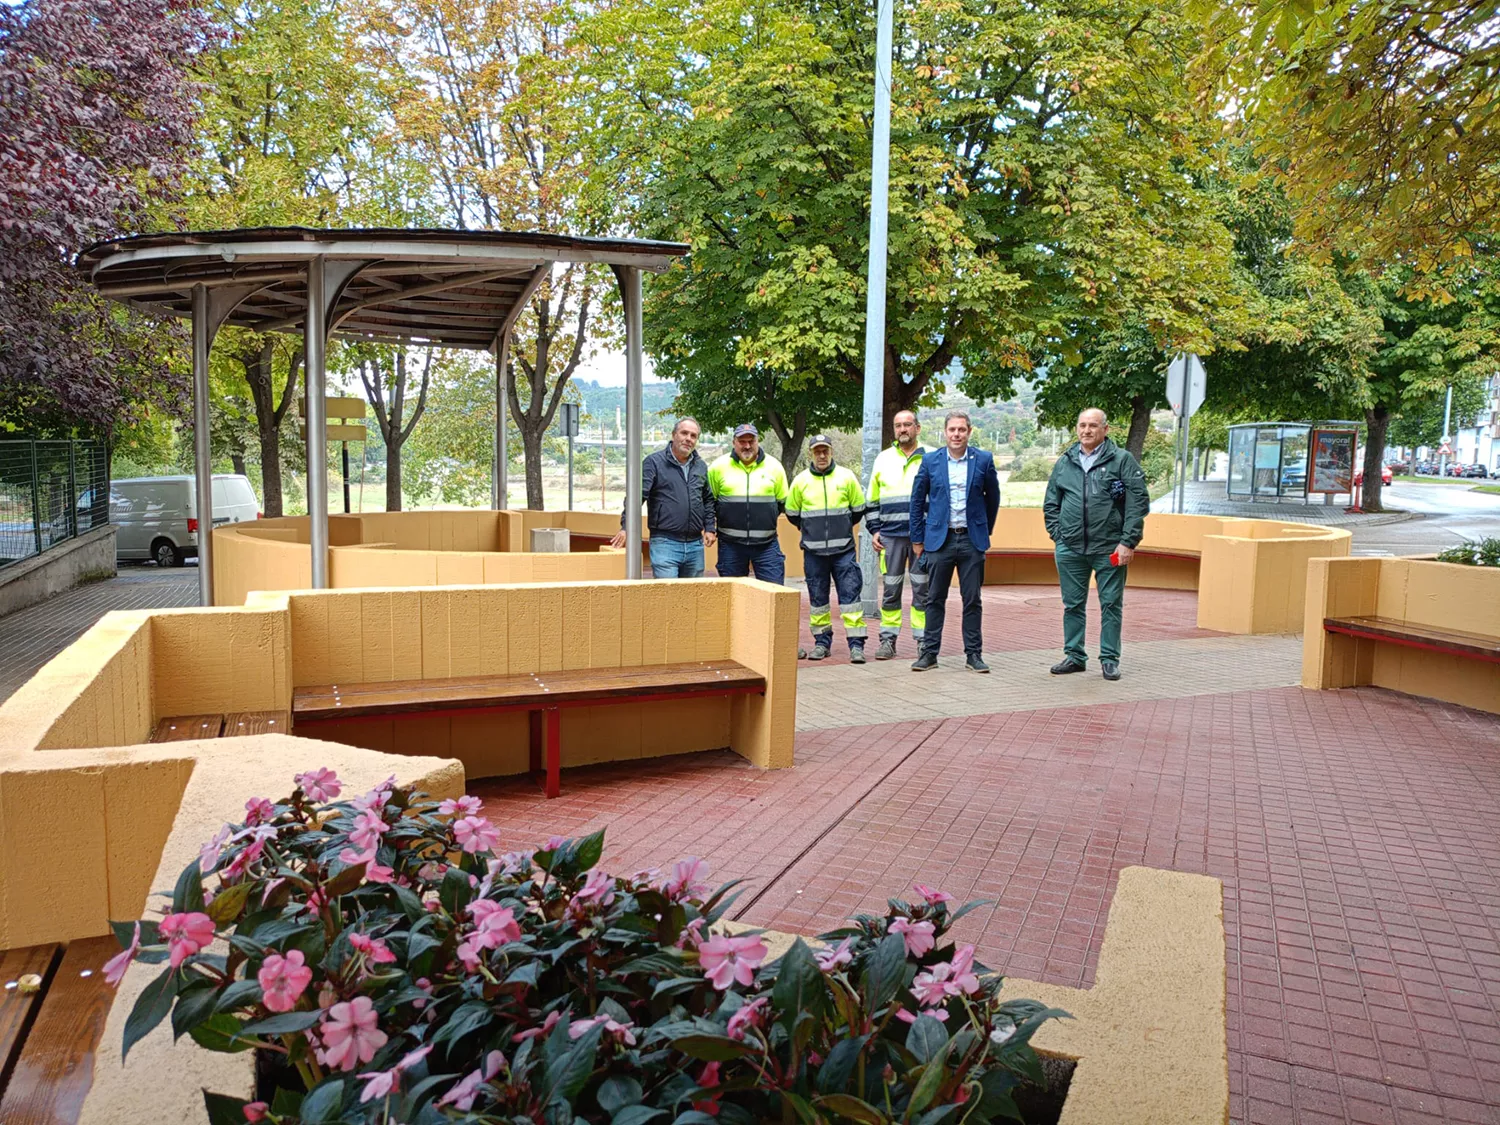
x=345 y=881
x=224 y=1110
x=228 y=903
x=567 y=1073
x=528 y=972
x=282 y=1023
x=617 y=1092
x=454 y=892
x=806 y=1112
x=927 y=1039
x=151 y=1007
x=287 y=1103
x=195 y=1003
x=188 y=894
x=856 y=1109
x=712 y=1048
x=800 y=987
x=322 y=1102
x=221 y=1033
x=637 y=1115
x=995 y=1099
x=589 y=850
x=239 y=994
x=125 y=933
x=927 y=1086
x=838 y=1067
x=411 y=904
x=885 y=972
x=467 y=1017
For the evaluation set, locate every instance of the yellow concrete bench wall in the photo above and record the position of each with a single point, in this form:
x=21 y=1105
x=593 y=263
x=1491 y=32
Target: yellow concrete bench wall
x=403 y=634
x=1419 y=591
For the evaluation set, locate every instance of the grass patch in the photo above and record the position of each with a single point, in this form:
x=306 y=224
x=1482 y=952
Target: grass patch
x=1428 y=480
x=1490 y=489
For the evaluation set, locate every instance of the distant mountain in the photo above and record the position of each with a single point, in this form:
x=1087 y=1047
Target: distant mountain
x=600 y=401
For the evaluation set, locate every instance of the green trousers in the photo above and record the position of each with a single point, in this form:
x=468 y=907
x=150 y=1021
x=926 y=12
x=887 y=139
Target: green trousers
x=1073 y=571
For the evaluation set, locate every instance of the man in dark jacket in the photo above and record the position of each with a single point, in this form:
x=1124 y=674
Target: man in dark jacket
x=679 y=505
x=1095 y=511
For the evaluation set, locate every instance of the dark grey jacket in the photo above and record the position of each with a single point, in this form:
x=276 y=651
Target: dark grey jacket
x=1092 y=513
x=677 y=507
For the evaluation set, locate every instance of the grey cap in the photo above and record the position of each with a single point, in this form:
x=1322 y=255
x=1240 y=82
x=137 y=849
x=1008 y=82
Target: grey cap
x=817 y=440
x=746 y=428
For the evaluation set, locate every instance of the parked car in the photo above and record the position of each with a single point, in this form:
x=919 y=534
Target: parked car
x=1294 y=476
x=1400 y=466
x=157 y=517
x=1495 y=473
x=1385 y=476
x=1426 y=468
x=1475 y=470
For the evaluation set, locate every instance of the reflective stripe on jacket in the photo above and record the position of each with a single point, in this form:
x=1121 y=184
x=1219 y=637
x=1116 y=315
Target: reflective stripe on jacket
x=748 y=498
x=889 y=502
x=825 y=507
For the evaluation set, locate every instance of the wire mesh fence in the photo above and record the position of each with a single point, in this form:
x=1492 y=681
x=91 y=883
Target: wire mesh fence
x=50 y=491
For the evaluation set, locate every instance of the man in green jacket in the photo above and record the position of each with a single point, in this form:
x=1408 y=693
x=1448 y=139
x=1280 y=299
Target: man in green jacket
x=1095 y=512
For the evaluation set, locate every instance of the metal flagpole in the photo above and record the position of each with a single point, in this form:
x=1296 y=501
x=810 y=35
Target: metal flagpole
x=880 y=167
x=203 y=469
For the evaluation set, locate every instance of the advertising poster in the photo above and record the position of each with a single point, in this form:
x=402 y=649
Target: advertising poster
x=1331 y=453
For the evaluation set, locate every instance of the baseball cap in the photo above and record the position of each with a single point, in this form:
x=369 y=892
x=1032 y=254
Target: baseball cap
x=817 y=440
x=746 y=428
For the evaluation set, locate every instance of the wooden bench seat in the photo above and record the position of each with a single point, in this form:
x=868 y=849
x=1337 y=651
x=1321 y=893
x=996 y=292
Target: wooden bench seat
x=236 y=724
x=542 y=694
x=53 y=1004
x=1475 y=646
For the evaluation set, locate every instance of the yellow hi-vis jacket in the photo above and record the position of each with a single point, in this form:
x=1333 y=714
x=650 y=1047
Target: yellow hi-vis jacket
x=825 y=507
x=889 y=501
x=748 y=498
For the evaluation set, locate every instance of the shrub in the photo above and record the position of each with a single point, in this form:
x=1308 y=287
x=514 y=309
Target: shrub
x=1486 y=552
x=398 y=970
x=1034 y=470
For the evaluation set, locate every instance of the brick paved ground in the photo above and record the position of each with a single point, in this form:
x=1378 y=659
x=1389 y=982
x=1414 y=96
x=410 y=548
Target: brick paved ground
x=34 y=635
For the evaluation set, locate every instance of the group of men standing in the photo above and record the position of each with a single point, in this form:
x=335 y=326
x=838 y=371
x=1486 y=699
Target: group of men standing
x=930 y=513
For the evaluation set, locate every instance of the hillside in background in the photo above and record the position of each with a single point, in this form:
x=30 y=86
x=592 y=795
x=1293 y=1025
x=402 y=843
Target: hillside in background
x=602 y=402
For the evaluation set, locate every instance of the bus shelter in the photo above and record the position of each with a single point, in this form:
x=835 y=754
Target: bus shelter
x=1276 y=460
x=447 y=288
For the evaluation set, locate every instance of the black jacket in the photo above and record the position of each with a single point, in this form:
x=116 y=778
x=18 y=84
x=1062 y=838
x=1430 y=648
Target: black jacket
x=676 y=507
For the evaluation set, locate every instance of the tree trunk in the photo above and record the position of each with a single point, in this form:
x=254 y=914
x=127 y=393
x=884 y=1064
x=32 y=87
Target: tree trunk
x=270 y=470
x=389 y=414
x=1377 y=421
x=791 y=439
x=237 y=459
x=258 y=363
x=393 y=478
x=531 y=450
x=1140 y=425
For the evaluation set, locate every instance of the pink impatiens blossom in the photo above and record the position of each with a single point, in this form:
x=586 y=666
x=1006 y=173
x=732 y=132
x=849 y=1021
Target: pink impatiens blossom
x=320 y=785
x=597 y=890
x=382 y=1083
x=553 y=843
x=619 y=1032
x=919 y=936
x=834 y=957
x=748 y=1016
x=934 y=898
x=350 y=1033
x=246 y=856
x=475 y=834
x=686 y=880
x=375 y=951
x=731 y=960
x=258 y=810
x=460 y=806
x=498 y=923
x=376 y=798
x=283 y=980
x=368 y=828
x=208 y=854
x=114 y=968
x=692 y=934
x=938 y=1014
x=255 y=1111
x=186 y=934
x=511 y=863
x=708 y=1079
x=534 y=1032
x=947 y=978
x=464 y=1092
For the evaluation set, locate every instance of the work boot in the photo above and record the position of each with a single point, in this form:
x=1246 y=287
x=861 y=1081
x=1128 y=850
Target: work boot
x=856 y=654
x=924 y=662
x=1067 y=668
x=801 y=653
x=1110 y=668
x=976 y=663
x=887 y=648
x=819 y=652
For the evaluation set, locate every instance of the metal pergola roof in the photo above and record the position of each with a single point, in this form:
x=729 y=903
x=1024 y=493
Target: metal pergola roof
x=450 y=288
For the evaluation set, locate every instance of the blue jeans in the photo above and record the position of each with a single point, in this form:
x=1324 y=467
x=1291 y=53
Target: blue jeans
x=736 y=561
x=675 y=558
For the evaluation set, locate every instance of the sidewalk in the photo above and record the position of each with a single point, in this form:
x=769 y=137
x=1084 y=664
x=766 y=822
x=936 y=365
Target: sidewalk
x=1208 y=498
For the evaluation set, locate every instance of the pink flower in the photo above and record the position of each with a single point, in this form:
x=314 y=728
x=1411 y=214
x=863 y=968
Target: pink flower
x=620 y=1032
x=208 y=854
x=708 y=1078
x=368 y=828
x=283 y=980
x=320 y=785
x=350 y=1033
x=947 y=978
x=911 y=1017
x=692 y=934
x=475 y=834
x=728 y=960
x=186 y=934
x=378 y=873
x=934 y=898
x=382 y=1083
x=553 y=843
x=511 y=863
x=597 y=890
x=247 y=855
x=114 y=968
x=686 y=880
x=258 y=810
x=255 y=1111
x=460 y=806
x=534 y=1032
x=374 y=950
x=462 y=1096
x=498 y=923
x=376 y=798
x=919 y=936
x=836 y=957
x=748 y=1016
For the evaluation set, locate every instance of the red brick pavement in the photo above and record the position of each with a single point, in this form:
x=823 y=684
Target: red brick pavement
x=1017 y=618
x=1357 y=835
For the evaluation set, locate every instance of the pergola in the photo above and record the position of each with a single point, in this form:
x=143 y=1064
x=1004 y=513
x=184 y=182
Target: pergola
x=449 y=288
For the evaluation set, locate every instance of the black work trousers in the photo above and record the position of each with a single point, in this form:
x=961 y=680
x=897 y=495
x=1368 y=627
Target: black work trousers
x=957 y=553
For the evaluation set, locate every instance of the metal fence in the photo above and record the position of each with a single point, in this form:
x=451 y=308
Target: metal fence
x=50 y=491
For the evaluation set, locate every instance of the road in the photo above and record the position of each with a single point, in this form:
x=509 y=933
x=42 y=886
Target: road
x=1448 y=514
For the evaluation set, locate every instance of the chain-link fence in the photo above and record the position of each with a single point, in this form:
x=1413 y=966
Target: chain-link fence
x=50 y=491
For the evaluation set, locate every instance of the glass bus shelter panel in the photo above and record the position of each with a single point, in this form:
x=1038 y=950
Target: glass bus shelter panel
x=1241 y=460
x=1267 y=481
x=1293 y=476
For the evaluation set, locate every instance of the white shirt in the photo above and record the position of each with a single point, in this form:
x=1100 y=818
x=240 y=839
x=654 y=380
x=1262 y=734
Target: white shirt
x=958 y=490
x=1087 y=459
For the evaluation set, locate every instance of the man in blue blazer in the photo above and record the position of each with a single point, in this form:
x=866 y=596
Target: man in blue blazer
x=954 y=501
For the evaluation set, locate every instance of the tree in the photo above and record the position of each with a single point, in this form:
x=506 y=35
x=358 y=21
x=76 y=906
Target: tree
x=1039 y=169
x=95 y=121
x=388 y=380
x=1378 y=118
x=1422 y=424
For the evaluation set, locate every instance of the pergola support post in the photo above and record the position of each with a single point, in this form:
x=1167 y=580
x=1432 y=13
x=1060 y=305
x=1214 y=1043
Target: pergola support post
x=203 y=467
x=500 y=477
x=629 y=278
x=315 y=335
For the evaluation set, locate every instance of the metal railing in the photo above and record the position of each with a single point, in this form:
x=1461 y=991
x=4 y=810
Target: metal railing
x=50 y=491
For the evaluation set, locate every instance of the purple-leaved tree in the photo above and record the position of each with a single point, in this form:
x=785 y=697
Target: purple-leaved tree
x=96 y=113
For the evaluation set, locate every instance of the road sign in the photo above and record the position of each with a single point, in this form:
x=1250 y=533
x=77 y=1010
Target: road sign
x=334 y=407
x=568 y=422
x=1186 y=381
x=1445 y=450
x=335 y=432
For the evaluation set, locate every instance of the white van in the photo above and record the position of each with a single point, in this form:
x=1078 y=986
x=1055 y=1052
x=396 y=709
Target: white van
x=157 y=517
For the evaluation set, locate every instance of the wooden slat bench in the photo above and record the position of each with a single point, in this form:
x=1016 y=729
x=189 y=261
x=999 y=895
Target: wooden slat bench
x=236 y=724
x=542 y=694
x=53 y=1004
x=1475 y=646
